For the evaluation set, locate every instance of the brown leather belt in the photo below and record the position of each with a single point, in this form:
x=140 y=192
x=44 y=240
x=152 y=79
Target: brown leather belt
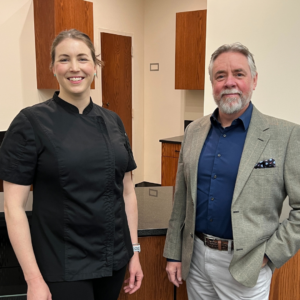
x=213 y=243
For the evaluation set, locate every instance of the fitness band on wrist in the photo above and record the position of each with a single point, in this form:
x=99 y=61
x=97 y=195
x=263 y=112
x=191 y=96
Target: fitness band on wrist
x=136 y=247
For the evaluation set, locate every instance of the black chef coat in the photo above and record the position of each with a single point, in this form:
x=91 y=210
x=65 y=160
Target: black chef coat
x=76 y=163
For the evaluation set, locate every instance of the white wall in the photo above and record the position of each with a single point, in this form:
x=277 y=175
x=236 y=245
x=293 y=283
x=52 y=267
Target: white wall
x=165 y=107
x=270 y=29
x=17 y=60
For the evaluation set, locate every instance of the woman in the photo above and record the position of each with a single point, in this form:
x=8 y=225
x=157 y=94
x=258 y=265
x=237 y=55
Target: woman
x=78 y=158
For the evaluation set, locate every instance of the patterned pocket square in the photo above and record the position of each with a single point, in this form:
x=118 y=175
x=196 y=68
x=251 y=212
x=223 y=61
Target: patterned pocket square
x=268 y=163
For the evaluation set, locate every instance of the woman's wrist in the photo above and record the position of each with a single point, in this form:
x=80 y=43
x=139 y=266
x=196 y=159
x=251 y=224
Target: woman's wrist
x=34 y=279
x=135 y=256
x=136 y=247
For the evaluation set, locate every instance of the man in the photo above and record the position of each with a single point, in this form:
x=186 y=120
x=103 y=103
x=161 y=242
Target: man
x=235 y=169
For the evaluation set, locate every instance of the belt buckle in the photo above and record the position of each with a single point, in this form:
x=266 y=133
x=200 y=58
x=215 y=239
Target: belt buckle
x=207 y=238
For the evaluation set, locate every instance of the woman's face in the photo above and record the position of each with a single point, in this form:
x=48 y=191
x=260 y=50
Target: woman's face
x=74 y=68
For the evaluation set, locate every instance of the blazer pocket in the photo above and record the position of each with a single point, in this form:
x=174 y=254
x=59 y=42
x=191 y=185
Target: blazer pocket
x=264 y=238
x=264 y=171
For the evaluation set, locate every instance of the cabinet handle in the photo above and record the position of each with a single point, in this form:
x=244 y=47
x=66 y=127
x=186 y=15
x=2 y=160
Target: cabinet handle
x=177 y=150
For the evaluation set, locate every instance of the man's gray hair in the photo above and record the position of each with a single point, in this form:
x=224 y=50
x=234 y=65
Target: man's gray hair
x=236 y=47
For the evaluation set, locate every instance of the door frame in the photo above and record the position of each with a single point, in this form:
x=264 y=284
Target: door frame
x=99 y=78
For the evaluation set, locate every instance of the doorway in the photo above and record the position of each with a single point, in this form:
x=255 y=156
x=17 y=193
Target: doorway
x=117 y=77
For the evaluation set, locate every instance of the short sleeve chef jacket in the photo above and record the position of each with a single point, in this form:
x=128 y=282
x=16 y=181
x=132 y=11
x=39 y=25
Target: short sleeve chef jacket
x=76 y=163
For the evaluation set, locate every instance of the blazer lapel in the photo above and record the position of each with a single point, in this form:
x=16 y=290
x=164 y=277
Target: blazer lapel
x=256 y=141
x=199 y=136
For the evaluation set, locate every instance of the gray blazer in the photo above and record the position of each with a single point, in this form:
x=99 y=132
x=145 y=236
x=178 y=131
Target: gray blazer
x=257 y=199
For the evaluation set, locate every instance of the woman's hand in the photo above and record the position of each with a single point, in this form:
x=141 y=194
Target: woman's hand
x=38 y=289
x=136 y=275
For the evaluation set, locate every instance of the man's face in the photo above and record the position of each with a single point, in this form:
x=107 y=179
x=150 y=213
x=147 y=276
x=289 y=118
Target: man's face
x=232 y=82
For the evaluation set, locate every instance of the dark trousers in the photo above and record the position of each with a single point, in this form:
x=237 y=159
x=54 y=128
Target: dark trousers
x=106 y=288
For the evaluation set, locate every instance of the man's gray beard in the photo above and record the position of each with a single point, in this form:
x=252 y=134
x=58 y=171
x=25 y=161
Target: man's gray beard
x=240 y=103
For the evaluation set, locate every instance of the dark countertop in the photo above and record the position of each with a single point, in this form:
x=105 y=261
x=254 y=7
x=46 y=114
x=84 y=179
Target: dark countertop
x=174 y=140
x=152 y=232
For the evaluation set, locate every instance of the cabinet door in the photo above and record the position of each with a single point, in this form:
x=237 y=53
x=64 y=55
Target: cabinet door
x=170 y=149
x=181 y=292
x=168 y=170
x=190 y=50
x=155 y=284
x=50 y=18
x=169 y=162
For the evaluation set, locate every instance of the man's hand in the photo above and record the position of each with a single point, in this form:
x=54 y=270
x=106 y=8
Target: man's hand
x=265 y=261
x=136 y=275
x=174 y=272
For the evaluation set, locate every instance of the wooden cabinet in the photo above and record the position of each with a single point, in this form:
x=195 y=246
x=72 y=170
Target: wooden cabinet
x=286 y=281
x=181 y=292
x=190 y=50
x=50 y=18
x=155 y=283
x=169 y=163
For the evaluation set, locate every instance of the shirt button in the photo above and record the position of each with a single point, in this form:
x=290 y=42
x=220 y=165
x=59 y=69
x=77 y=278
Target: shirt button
x=219 y=155
x=224 y=135
x=215 y=176
x=212 y=199
x=211 y=220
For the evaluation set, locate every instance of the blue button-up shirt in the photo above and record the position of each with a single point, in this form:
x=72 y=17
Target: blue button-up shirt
x=217 y=171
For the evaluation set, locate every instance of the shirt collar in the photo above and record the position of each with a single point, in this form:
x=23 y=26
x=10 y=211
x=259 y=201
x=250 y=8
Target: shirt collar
x=70 y=107
x=245 y=118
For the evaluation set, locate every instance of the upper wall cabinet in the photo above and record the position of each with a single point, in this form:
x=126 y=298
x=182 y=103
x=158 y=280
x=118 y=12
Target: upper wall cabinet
x=50 y=18
x=190 y=50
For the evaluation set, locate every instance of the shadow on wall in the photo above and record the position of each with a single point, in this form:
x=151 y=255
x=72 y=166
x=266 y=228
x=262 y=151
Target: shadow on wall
x=45 y=95
x=27 y=55
x=193 y=104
